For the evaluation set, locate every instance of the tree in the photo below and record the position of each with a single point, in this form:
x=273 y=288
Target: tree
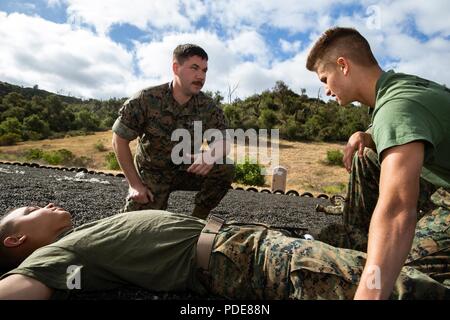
x=216 y=96
x=34 y=128
x=87 y=120
x=231 y=91
x=11 y=125
x=268 y=119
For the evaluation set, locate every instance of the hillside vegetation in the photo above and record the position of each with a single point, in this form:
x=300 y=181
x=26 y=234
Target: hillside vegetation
x=33 y=114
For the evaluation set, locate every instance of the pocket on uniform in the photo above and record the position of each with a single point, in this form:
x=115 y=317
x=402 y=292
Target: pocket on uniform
x=320 y=271
x=432 y=235
x=319 y=257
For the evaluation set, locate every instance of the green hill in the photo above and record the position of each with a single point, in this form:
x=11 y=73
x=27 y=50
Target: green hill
x=29 y=93
x=33 y=114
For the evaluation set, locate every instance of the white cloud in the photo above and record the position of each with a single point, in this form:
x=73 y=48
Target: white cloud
x=250 y=44
x=59 y=58
x=54 y=3
x=230 y=16
x=291 y=15
x=430 y=17
x=144 y=14
x=290 y=47
x=69 y=57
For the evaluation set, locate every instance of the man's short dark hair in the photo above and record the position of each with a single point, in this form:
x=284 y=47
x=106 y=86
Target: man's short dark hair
x=185 y=51
x=345 y=42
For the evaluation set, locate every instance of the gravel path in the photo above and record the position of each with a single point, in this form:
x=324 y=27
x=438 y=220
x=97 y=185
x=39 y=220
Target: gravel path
x=90 y=196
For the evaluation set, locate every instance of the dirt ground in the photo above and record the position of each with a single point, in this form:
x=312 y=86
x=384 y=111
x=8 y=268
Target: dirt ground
x=304 y=161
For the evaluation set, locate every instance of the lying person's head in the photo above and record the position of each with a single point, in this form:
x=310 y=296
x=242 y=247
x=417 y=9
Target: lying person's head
x=26 y=229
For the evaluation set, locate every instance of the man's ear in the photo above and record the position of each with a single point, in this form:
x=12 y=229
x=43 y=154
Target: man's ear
x=14 y=241
x=343 y=65
x=175 y=67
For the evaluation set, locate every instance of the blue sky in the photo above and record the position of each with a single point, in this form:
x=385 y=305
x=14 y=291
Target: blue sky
x=102 y=49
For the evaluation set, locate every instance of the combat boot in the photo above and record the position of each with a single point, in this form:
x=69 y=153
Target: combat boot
x=337 y=207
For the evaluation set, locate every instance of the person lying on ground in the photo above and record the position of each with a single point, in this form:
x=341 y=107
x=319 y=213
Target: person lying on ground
x=162 y=251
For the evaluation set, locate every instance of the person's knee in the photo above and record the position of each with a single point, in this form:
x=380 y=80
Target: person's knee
x=157 y=204
x=224 y=172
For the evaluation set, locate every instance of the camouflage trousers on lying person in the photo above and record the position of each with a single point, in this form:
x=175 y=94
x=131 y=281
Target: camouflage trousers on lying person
x=252 y=262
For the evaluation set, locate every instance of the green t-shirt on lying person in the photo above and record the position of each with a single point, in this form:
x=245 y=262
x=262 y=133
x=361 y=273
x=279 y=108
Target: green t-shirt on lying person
x=151 y=249
x=409 y=108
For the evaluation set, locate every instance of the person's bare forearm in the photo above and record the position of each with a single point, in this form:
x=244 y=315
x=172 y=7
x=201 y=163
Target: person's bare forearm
x=124 y=157
x=390 y=237
x=393 y=221
x=20 y=287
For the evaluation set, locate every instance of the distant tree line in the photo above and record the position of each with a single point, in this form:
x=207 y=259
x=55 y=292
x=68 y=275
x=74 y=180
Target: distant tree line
x=297 y=116
x=24 y=116
x=50 y=117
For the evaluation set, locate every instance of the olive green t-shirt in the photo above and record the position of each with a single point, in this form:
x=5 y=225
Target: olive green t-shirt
x=409 y=108
x=151 y=249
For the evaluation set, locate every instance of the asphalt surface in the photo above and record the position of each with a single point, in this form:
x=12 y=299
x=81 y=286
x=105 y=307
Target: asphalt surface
x=91 y=196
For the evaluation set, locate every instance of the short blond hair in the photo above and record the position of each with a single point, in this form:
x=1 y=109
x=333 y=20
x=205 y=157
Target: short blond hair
x=341 y=42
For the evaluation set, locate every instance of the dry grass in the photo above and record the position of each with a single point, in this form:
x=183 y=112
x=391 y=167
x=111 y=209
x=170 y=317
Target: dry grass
x=303 y=160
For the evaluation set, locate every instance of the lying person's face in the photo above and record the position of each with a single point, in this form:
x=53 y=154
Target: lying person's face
x=41 y=226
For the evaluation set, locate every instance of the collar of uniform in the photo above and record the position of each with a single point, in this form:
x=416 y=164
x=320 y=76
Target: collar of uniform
x=189 y=108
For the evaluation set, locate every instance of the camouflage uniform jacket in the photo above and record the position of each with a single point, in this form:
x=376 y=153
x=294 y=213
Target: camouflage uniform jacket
x=153 y=114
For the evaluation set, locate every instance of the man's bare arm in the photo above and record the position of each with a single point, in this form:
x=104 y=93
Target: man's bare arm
x=20 y=287
x=393 y=221
x=138 y=191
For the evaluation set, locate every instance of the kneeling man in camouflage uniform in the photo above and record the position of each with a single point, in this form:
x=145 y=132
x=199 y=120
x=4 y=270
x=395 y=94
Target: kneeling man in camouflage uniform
x=152 y=115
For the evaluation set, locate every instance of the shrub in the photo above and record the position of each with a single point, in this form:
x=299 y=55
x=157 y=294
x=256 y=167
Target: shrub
x=33 y=154
x=249 y=173
x=35 y=128
x=111 y=161
x=81 y=162
x=9 y=139
x=99 y=146
x=32 y=135
x=61 y=156
x=334 y=157
x=268 y=119
x=335 y=189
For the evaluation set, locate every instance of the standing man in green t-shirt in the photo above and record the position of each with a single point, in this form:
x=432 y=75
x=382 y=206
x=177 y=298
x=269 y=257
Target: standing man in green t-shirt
x=401 y=160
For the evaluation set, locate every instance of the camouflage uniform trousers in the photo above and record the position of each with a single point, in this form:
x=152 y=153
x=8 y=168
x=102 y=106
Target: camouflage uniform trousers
x=254 y=262
x=212 y=187
x=430 y=252
x=362 y=197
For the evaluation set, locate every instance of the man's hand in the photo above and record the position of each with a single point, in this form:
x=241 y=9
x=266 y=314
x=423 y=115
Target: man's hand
x=203 y=163
x=140 y=194
x=357 y=142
